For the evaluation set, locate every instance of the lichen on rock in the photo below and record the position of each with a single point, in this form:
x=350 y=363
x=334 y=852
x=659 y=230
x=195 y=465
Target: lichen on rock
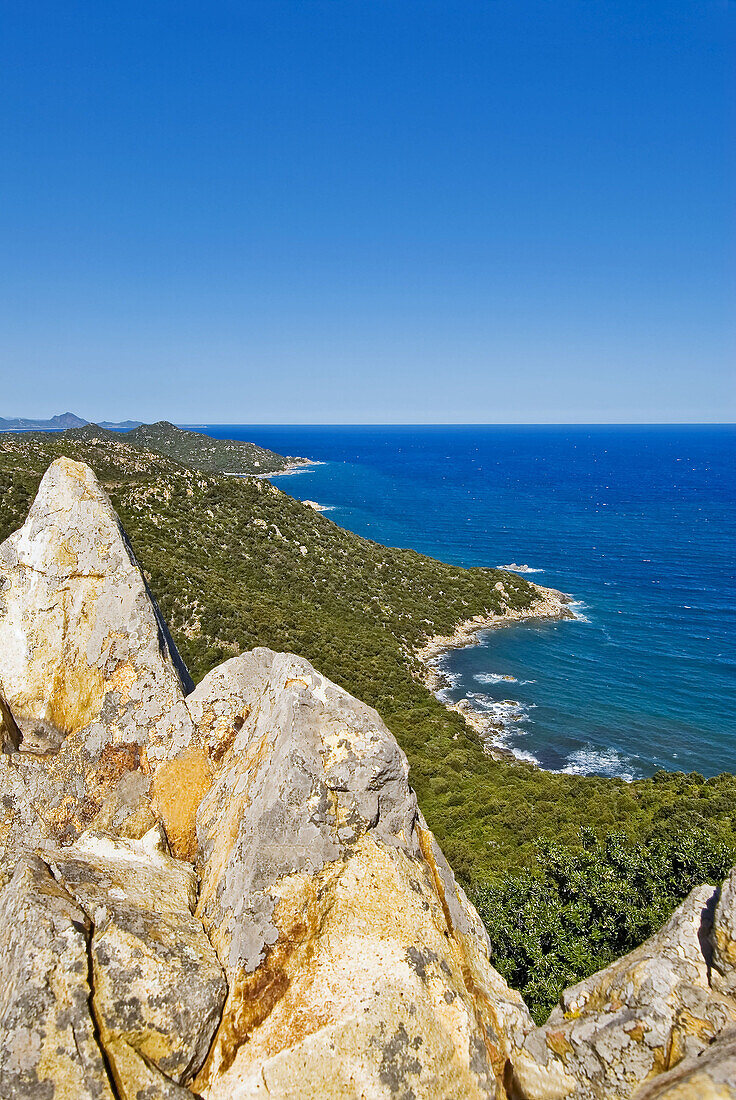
x=88 y=670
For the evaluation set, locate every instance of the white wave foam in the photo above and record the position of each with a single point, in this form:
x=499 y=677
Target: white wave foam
x=292 y=471
x=592 y=761
x=514 y=568
x=529 y=757
x=448 y=680
x=439 y=664
x=506 y=711
x=578 y=607
x=494 y=678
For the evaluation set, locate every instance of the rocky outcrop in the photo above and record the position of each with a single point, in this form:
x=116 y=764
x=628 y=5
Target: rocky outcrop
x=158 y=987
x=233 y=895
x=88 y=671
x=710 y=1076
x=49 y=1046
x=337 y=920
x=84 y=647
x=10 y=736
x=325 y=913
x=724 y=938
x=637 y=1018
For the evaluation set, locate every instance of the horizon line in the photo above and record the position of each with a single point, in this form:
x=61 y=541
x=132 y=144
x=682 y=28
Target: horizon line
x=461 y=424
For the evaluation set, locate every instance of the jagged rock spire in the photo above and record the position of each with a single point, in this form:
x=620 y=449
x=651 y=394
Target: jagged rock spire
x=87 y=667
x=81 y=638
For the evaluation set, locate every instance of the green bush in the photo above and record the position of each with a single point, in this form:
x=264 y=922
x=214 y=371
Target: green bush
x=579 y=909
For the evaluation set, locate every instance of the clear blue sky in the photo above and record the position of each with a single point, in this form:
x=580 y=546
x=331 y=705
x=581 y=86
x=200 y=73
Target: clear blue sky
x=346 y=211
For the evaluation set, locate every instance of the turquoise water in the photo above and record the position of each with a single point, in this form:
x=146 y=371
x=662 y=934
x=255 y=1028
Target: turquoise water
x=636 y=523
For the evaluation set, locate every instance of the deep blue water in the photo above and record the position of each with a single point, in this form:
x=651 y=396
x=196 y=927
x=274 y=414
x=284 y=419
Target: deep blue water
x=637 y=523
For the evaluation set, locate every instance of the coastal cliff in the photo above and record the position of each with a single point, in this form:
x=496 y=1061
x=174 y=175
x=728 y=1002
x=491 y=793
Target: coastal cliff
x=230 y=892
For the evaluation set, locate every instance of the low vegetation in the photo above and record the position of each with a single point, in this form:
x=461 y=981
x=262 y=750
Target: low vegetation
x=234 y=563
x=202 y=452
x=580 y=909
x=191 y=449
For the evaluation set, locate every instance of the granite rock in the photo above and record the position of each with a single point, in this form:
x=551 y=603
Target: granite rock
x=49 y=1049
x=233 y=894
x=88 y=670
x=338 y=923
x=723 y=938
x=158 y=986
x=709 y=1076
x=10 y=736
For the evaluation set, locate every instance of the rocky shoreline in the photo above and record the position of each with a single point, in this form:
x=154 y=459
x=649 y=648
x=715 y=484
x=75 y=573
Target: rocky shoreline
x=549 y=604
x=293 y=466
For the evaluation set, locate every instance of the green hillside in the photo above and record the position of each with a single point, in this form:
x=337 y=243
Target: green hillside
x=202 y=452
x=235 y=562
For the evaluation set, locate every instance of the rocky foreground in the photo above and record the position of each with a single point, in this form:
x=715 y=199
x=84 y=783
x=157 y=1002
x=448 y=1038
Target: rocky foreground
x=230 y=892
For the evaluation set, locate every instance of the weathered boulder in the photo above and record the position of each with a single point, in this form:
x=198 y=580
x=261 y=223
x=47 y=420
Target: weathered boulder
x=709 y=1076
x=109 y=985
x=137 y=1079
x=355 y=965
x=48 y=1046
x=87 y=667
x=634 y=1020
x=158 y=986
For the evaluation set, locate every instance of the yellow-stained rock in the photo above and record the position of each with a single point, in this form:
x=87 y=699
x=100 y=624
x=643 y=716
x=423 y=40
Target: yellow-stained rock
x=10 y=736
x=135 y=1078
x=325 y=950
x=710 y=1076
x=48 y=1045
x=158 y=986
x=87 y=666
x=632 y=1021
x=723 y=938
x=179 y=786
x=332 y=909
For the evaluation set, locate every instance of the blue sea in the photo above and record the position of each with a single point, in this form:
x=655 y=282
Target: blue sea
x=636 y=523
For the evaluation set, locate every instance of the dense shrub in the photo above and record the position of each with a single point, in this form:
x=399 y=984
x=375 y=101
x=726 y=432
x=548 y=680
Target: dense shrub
x=579 y=909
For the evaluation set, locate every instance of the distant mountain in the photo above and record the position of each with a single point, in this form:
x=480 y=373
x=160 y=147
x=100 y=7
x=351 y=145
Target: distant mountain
x=90 y=432
x=122 y=426
x=56 y=423
x=60 y=423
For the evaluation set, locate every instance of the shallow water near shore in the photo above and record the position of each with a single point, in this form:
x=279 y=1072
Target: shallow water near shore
x=637 y=523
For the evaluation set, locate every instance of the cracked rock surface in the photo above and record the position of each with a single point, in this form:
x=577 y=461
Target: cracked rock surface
x=158 y=986
x=337 y=920
x=232 y=894
x=88 y=670
x=49 y=1041
x=635 y=1019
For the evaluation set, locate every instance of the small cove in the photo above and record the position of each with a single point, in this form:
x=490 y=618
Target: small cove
x=637 y=523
